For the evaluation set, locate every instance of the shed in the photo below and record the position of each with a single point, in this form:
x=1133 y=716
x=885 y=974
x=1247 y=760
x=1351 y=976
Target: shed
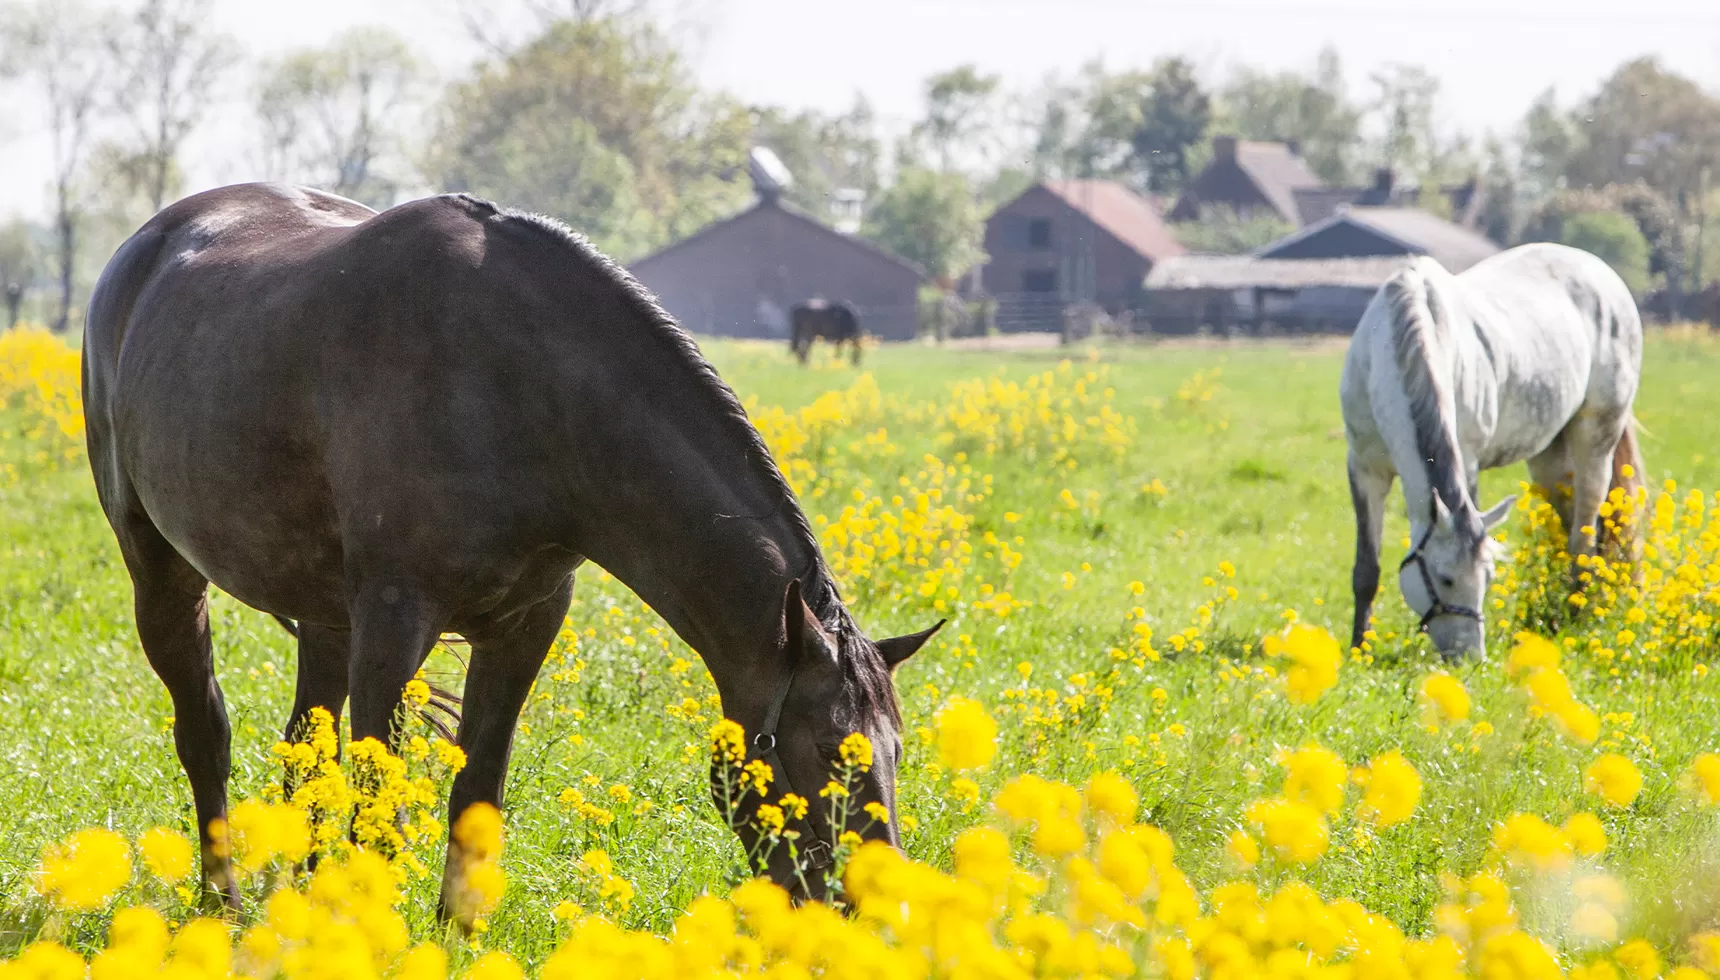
x=1066 y=242
x=1245 y=293
x=740 y=276
x=1362 y=231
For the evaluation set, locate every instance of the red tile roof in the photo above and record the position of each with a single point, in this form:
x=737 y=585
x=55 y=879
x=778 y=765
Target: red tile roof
x=1121 y=212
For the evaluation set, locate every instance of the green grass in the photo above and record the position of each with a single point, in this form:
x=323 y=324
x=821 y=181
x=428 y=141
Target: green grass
x=1255 y=476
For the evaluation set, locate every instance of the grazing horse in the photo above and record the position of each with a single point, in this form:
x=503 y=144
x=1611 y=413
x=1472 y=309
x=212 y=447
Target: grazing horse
x=391 y=426
x=815 y=319
x=1533 y=354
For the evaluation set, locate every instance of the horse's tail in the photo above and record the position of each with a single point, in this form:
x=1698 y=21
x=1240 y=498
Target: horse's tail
x=441 y=712
x=1624 y=538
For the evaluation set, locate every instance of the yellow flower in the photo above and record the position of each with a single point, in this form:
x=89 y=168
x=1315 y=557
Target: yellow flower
x=1294 y=830
x=982 y=855
x=479 y=831
x=1614 y=778
x=878 y=812
x=495 y=965
x=1704 y=777
x=1446 y=697
x=1585 y=833
x=1315 y=776
x=1526 y=839
x=1393 y=789
x=426 y=961
x=166 y=853
x=84 y=872
x=1639 y=958
x=1315 y=659
x=1530 y=653
x=966 y=734
x=1108 y=794
x=856 y=752
x=770 y=819
x=1242 y=849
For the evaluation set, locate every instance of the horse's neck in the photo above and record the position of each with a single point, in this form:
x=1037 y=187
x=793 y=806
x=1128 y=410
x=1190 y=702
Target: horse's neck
x=1429 y=356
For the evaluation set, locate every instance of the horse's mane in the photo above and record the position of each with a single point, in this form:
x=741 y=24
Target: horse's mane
x=1420 y=327
x=862 y=663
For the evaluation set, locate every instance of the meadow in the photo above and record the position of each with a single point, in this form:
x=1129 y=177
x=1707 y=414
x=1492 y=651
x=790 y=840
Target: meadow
x=1134 y=750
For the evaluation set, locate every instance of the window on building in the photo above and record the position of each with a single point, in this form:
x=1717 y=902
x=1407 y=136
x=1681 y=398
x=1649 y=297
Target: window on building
x=1039 y=233
x=1039 y=281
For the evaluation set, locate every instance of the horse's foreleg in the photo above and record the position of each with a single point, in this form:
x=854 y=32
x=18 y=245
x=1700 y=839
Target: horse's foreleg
x=1368 y=490
x=323 y=677
x=393 y=629
x=505 y=662
x=173 y=626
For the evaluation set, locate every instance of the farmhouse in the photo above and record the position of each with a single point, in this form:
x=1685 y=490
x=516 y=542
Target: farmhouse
x=1251 y=178
x=1463 y=201
x=740 y=276
x=1065 y=242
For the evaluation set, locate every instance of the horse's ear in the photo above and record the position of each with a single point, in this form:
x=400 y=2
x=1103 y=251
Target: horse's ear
x=899 y=648
x=800 y=627
x=1497 y=514
x=1441 y=513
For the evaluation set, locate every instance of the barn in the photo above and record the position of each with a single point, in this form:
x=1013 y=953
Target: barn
x=740 y=276
x=1247 y=294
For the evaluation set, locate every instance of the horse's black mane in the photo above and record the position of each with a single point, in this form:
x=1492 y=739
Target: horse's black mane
x=862 y=663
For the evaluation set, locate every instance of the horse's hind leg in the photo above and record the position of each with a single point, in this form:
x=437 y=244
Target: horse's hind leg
x=173 y=626
x=1591 y=441
x=1368 y=490
x=323 y=677
x=1550 y=469
x=394 y=626
x=505 y=661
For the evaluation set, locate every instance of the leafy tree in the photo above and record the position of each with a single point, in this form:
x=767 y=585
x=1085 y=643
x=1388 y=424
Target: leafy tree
x=333 y=116
x=1615 y=238
x=1313 y=109
x=931 y=218
x=823 y=152
x=1174 y=120
x=644 y=157
x=20 y=268
x=52 y=45
x=168 y=64
x=1221 y=231
x=961 y=110
x=1547 y=139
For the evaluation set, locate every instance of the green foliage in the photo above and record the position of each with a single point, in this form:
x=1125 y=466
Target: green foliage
x=1615 y=238
x=1174 y=120
x=599 y=123
x=929 y=218
x=823 y=152
x=1222 y=231
x=1314 y=109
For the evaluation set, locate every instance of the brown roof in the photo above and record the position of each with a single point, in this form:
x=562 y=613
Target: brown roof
x=1122 y=212
x=1277 y=172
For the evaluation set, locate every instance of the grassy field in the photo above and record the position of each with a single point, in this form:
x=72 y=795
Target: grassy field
x=1183 y=471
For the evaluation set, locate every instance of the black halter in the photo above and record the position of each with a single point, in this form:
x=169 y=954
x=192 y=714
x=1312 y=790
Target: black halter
x=817 y=853
x=1437 y=607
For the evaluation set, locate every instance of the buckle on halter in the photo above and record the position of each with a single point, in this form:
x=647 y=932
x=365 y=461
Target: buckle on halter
x=817 y=855
x=765 y=741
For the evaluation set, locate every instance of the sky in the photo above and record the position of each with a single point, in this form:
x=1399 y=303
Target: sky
x=1492 y=56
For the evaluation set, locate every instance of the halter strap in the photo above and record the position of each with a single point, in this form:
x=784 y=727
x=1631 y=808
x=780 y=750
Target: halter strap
x=1437 y=606
x=817 y=853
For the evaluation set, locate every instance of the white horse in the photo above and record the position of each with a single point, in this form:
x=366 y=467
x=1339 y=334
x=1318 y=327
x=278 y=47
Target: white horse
x=1533 y=354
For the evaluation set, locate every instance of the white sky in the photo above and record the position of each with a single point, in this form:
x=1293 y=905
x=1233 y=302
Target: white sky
x=1493 y=56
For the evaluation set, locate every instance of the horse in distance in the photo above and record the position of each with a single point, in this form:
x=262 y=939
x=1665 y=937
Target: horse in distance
x=819 y=319
x=1532 y=355
x=390 y=426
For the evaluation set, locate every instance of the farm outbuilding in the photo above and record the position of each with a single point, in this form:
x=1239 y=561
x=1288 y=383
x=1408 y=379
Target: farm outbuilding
x=740 y=276
x=1356 y=231
x=1063 y=243
x=1252 y=178
x=1248 y=294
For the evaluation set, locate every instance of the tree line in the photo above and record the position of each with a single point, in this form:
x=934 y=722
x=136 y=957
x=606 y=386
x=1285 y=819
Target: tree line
x=594 y=116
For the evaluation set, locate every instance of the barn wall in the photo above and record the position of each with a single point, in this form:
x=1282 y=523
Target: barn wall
x=713 y=283
x=1118 y=269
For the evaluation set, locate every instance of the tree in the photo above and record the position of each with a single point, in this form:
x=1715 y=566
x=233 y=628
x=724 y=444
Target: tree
x=1548 y=139
x=1615 y=238
x=19 y=268
x=1315 y=110
x=168 y=63
x=931 y=218
x=1221 y=231
x=1404 y=108
x=52 y=44
x=825 y=153
x=960 y=112
x=1174 y=120
x=333 y=116
x=618 y=99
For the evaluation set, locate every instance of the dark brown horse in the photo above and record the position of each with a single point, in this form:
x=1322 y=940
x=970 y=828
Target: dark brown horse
x=391 y=426
x=818 y=319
